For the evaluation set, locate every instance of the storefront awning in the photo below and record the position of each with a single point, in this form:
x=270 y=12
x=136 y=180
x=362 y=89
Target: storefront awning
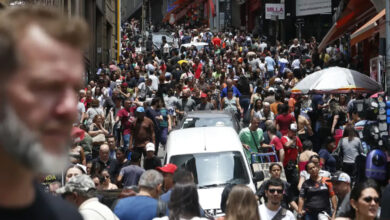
x=368 y=29
x=357 y=11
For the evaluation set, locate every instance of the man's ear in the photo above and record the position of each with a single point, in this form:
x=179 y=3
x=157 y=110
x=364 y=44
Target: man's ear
x=159 y=188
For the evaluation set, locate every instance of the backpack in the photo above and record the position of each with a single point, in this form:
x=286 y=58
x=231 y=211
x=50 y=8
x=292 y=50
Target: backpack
x=376 y=165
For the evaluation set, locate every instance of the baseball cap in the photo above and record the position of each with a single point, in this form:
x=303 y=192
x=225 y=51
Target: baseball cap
x=340 y=177
x=168 y=74
x=140 y=109
x=168 y=168
x=150 y=146
x=203 y=95
x=80 y=183
x=293 y=127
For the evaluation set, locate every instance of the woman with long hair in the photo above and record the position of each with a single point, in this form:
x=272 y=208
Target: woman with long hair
x=97 y=126
x=338 y=117
x=365 y=197
x=349 y=147
x=256 y=108
x=184 y=203
x=242 y=204
x=106 y=183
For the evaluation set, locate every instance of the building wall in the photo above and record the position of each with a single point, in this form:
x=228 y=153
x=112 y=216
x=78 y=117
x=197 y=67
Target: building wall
x=128 y=8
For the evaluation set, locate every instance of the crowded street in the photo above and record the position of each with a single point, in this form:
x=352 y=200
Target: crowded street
x=197 y=113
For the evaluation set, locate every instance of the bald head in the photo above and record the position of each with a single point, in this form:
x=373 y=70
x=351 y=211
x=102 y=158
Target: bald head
x=229 y=82
x=104 y=152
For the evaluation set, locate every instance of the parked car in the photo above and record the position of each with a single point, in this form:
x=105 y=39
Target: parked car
x=209 y=119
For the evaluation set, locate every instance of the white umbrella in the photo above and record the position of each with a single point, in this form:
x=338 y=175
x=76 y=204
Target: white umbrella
x=336 y=80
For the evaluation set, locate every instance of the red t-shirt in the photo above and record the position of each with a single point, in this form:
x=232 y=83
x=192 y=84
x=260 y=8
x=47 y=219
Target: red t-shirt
x=86 y=102
x=284 y=121
x=197 y=70
x=126 y=119
x=291 y=153
x=277 y=143
x=216 y=41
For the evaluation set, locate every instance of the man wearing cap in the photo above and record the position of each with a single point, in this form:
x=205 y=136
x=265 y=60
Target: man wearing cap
x=129 y=175
x=292 y=144
x=144 y=205
x=168 y=170
x=204 y=103
x=342 y=188
x=142 y=131
x=151 y=161
x=80 y=190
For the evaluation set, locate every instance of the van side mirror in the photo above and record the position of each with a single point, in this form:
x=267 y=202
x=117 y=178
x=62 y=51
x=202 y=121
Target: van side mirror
x=258 y=176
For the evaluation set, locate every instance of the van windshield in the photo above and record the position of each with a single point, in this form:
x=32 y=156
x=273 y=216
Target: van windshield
x=192 y=122
x=214 y=169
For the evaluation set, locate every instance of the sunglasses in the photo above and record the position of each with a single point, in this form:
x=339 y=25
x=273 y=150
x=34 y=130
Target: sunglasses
x=272 y=191
x=368 y=199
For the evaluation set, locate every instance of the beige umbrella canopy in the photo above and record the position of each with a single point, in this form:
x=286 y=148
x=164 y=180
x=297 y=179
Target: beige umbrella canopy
x=336 y=80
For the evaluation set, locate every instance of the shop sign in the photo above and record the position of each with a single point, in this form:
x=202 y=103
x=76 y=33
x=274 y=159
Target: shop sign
x=274 y=10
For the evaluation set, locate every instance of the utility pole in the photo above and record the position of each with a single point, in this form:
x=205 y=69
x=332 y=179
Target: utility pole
x=387 y=47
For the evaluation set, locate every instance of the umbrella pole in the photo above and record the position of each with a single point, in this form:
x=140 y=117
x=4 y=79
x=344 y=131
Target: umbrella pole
x=387 y=89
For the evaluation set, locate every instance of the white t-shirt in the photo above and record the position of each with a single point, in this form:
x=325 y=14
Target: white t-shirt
x=92 y=209
x=155 y=82
x=80 y=110
x=266 y=214
x=296 y=64
x=322 y=173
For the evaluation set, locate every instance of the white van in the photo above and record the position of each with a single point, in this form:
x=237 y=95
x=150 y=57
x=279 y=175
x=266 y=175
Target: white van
x=215 y=156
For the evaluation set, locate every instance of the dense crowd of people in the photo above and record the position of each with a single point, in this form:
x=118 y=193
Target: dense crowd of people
x=127 y=109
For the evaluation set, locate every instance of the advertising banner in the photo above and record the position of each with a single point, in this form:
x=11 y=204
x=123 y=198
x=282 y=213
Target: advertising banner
x=311 y=7
x=274 y=10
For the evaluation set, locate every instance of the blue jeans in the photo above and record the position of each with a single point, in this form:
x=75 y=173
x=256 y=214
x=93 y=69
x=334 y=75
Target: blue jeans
x=313 y=216
x=126 y=140
x=244 y=103
x=269 y=74
x=163 y=135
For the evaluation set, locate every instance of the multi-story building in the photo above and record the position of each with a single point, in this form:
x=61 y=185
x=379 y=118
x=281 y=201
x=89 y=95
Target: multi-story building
x=101 y=15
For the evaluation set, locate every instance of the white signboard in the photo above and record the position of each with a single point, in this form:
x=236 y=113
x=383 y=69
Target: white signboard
x=311 y=7
x=274 y=10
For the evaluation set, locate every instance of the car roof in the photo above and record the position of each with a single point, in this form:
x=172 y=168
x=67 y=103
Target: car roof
x=202 y=140
x=209 y=114
x=195 y=44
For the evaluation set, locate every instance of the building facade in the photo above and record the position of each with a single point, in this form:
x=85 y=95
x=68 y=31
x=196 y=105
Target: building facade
x=101 y=16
